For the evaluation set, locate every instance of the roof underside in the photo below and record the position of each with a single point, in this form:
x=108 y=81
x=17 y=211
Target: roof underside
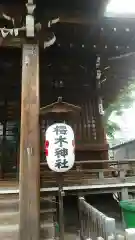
x=81 y=34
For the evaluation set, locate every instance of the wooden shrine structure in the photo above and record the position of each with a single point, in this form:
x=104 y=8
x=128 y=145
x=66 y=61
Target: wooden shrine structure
x=83 y=59
x=51 y=49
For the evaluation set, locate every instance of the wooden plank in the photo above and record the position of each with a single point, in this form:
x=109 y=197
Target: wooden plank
x=29 y=146
x=84 y=181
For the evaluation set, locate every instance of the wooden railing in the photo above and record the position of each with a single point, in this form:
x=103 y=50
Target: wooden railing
x=94 y=225
x=127 y=236
x=83 y=173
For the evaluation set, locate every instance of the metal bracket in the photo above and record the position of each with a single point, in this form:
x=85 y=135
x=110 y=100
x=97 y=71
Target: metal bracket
x=30 y=8
x=30 y=22
x=62 y=193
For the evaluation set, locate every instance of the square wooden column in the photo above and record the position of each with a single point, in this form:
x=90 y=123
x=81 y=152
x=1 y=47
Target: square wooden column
x=29 y=226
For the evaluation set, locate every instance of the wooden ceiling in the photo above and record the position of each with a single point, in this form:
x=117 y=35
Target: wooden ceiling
x=81 y=34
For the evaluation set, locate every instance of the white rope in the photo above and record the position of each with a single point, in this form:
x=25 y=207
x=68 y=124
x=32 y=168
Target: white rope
x=122 y=56
x=50 y=42
x=13 y=31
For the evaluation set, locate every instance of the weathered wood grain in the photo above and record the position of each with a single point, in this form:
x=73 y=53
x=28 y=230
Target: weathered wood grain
x=29 y=146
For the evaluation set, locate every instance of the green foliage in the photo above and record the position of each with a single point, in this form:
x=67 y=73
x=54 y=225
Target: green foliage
x=124 y=101
x=111 y=128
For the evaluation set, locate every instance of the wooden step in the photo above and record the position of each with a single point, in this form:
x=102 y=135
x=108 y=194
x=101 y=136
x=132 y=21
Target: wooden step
x=47 y=216
x=10 y=232
x=47 y=230
x=13 y=217
x=9 y=216
x=9 y=205
x=47 y=204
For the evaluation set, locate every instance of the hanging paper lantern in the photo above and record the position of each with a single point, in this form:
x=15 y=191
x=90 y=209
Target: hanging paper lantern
x=60 y=147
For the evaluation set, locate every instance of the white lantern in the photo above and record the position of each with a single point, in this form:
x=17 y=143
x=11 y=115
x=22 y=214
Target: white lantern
x=60 y=147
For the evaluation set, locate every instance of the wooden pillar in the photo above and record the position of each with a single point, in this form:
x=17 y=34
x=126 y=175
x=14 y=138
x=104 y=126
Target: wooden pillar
x=4 y=159
x=29 y=228
x=99 y=107
x=124 y=194
x=61 y=214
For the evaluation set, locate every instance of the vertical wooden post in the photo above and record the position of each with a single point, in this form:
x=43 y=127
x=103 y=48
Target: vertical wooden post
x=124 y=194
x=29 y=228
x=3 y=160
x=81 y=217
x=61 y=212
x=61 y=219
x=98 y=101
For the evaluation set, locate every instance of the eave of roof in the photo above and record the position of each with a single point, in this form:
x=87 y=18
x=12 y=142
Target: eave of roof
x=123 y=144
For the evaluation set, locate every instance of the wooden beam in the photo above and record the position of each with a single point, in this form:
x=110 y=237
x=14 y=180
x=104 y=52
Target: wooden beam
x=74 y=17
x=44 y=14
x=17 y=11
x=29 y=146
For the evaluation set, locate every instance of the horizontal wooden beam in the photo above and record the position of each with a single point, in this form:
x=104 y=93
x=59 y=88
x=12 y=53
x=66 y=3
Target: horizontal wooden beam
x=19 y=11
x=44 y=15
x=78 y=20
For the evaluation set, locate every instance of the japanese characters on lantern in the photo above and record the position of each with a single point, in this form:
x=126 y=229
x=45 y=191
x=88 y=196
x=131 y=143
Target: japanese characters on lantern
x=59 y=146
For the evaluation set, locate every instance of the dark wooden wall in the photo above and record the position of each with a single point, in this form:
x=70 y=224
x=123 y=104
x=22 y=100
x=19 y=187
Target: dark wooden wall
x=89 y=133
x=87 y=127
x=78 y=73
